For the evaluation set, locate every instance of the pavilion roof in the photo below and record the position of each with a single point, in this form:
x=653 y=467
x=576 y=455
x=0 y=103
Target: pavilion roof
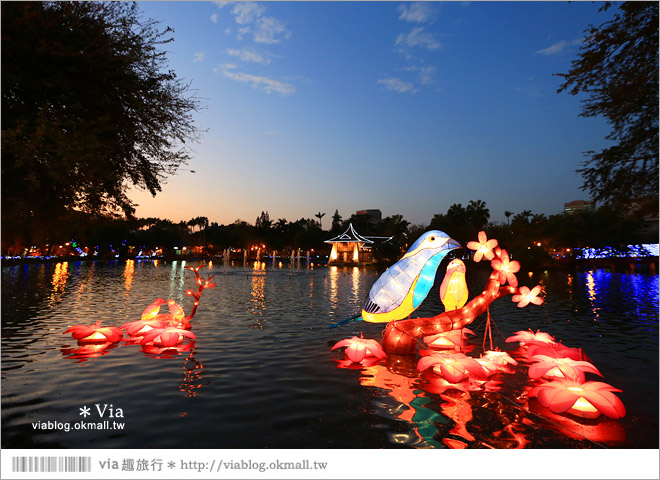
x=350 y=235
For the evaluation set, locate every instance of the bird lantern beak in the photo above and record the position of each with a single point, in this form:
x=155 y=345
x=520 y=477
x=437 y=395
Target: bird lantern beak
x=452 y=244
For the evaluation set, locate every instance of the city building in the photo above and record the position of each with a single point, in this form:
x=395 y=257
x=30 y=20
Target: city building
x=577 y=206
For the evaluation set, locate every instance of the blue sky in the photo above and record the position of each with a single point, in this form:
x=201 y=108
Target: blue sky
x=406 y=107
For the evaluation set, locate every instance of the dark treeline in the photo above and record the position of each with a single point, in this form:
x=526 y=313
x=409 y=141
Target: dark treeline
x=529 y=237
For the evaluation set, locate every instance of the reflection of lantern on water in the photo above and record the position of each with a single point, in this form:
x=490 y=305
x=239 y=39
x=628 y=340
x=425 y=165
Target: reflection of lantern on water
x=88 y=350
x=95 y=333
x=159 y=351
x=456 y=406
x=192 y=376
x=544 y=366
x=587 y=400
x=359 y=349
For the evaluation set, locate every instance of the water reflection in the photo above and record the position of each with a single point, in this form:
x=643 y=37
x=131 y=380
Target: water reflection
x=193 y=375
x=129 y=273
x=258 y=300
x=82 y=353
x=591 y=290
x=58 y=282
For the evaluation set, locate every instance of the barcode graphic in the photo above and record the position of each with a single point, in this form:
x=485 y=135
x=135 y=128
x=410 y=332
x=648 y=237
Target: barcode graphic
x=51 y=464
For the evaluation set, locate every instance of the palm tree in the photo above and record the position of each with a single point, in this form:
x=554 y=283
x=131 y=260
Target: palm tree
x=478 y=214
x=507 y=214
x=320 y=216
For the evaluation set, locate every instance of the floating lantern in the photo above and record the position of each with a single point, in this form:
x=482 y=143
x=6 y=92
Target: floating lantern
x=527 y=296
x=568 y=368
x=88 y=350
x=499 y=359
x=453 y=289
x=484 y=247
x=527 y=337
x=451 y=339
x=166 y=337
x=587 y=400
x=95 y=333
x=454 y=367
x=506 y=268
x=556 y=350
x=359 y=349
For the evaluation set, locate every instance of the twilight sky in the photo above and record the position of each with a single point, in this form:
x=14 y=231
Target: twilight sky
x=405 y=107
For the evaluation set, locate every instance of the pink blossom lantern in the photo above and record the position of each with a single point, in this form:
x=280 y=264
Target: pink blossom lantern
x=527 y=296
x=95 y=333
x=549 y=367
x=454 y=367
x=587 y=400
x=166 y=337
x=451 y=339
x=359 y=349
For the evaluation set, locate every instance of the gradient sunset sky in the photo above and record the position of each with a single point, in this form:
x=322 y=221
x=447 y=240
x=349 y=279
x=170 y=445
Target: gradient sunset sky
x=404 y=107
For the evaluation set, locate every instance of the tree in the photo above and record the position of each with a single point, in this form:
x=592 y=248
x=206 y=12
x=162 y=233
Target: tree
x=507 y=214
x=617 y=68
x=478 y=214
x=336 y=222
x=89 y=108
x=320 y=216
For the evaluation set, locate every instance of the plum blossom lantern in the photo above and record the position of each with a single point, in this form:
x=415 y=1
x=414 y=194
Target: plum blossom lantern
x=359 y=349
x=484 y=247
x=587 y=400
x=544 y=366
x=454 y=367
x=527 y=296
x=95 y=333
x=166 y=337
x=506 y=269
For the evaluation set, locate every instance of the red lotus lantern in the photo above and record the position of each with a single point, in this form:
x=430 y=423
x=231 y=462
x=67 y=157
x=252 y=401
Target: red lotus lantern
x=359 y=349
x=499 y=359
x=527 y=296
x=544 y=366
x=166 y=337
x=586 y=400
x=451 y=339
x=452 y=366
x=95 y=333
x=556 y=350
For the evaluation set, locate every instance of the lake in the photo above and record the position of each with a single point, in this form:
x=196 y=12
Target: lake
x=261 y=373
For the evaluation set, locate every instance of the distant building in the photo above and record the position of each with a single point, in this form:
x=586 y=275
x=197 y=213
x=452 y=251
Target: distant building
x=374 y=214
x=351 y=248
x=577 y=206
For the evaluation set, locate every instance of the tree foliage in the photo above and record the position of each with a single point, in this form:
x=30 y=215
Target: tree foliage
x=617 y=68
x=88 y=109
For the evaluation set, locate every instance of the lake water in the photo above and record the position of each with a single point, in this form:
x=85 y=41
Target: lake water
x=261 y=372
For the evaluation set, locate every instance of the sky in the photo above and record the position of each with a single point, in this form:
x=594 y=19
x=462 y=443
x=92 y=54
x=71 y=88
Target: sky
x=406 y=107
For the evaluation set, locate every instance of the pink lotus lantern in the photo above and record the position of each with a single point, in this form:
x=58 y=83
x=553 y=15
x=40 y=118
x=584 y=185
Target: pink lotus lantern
x=527 y=296
x=359 y=349
x=530 y=338
x=556 y=350
x=499 y=359
x=586 y=400
x=88 y=350
x=166 y=337
x=452 y=339
x=95 y=333
x=568 y=368
x=484 y=247
x=454 y=367
x=506 y=269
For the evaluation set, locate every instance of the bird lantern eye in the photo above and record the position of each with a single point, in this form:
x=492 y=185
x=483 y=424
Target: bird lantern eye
x=432 y=239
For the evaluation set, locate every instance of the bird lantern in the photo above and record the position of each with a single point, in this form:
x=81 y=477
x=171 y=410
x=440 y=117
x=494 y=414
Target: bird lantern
x=453 y=289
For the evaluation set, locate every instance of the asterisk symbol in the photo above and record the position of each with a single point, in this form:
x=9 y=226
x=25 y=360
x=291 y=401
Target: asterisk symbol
x=171 y=464
x=84 y=411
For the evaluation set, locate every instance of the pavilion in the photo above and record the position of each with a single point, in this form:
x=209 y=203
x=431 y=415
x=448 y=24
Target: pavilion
x=351 y=248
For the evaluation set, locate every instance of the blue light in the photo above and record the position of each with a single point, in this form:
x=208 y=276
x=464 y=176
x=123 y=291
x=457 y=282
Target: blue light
x=631 y=251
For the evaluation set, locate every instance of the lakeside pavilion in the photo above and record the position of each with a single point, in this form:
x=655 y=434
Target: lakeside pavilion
x=351 y=248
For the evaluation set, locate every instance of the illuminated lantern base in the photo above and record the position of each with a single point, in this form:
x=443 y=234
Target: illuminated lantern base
x=582 y=408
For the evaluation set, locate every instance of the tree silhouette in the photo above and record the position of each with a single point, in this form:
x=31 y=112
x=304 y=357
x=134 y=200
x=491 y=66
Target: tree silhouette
x=320 y=216
x=617 y=68
x=89 y=108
